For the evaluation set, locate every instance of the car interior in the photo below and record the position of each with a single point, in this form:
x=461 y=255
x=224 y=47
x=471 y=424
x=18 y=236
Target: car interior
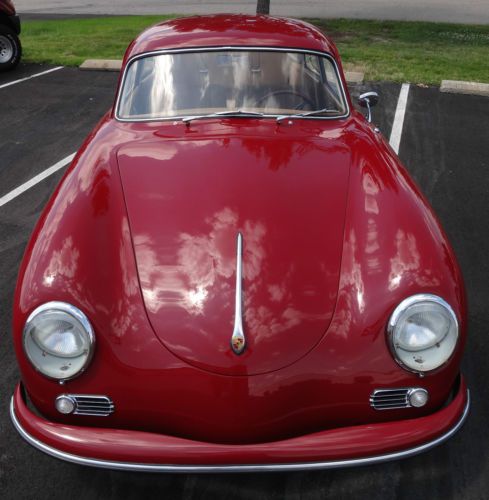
x=190 y=83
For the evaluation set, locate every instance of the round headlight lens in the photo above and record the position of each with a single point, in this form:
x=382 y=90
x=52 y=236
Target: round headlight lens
x=423 y=332
x=58 y=340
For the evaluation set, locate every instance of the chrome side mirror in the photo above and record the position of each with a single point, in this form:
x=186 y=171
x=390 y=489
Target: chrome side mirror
x=368 y=100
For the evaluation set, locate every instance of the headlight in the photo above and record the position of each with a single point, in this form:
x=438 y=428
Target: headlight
x=58 y=340
x=423 y=332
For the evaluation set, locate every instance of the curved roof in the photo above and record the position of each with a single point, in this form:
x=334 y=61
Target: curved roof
x=231 y=29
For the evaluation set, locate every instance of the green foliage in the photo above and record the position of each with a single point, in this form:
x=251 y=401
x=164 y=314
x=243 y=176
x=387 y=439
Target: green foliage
x=386 y=50
x=415 y=52
x=70 y=41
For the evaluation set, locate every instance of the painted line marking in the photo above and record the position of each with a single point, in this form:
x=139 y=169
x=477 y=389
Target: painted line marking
x=35 y=75
x=396 y=133
x=35 y=180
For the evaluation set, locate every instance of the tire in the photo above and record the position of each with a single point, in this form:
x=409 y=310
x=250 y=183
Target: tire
x=10 y=48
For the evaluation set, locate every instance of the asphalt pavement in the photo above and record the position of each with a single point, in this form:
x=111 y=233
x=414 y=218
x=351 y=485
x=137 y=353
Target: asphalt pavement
x=444 y=146
x=452 y=11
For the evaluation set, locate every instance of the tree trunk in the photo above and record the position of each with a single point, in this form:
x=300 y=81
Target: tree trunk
x=263 y=7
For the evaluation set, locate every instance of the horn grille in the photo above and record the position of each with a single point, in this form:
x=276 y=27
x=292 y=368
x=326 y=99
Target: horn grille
x=390 y=399
x=98 y=406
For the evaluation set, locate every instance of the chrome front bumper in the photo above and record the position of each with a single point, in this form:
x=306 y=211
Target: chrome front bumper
x=54 y=437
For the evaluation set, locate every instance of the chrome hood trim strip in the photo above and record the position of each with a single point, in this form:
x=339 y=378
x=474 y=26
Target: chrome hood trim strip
x=107 y=464
x=238 y=339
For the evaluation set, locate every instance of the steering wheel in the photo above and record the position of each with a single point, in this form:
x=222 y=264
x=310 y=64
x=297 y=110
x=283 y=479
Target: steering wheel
x=275 y=93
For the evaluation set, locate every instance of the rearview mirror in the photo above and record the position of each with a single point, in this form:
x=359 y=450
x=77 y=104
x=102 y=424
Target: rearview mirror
x=368 y=100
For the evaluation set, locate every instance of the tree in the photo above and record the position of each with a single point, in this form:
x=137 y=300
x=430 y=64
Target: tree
x=263 y=7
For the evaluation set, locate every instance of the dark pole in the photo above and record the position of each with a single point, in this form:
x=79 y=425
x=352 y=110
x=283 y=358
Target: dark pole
x=263 y=7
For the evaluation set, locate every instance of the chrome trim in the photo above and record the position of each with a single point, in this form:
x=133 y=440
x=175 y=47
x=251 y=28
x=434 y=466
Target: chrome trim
x=368 y=100
x=90 y=404
x=417 y=389
x=65 y=396
x=420 y=297
x=238 y=339
x=78 y=315
x=393 y=398
x=108 y=464
x=221 y=49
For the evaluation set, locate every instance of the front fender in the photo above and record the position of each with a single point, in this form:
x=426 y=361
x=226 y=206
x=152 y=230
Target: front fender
x=393 y=248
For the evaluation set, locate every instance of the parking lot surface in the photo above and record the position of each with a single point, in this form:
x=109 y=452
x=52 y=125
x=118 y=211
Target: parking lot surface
x=444 y=146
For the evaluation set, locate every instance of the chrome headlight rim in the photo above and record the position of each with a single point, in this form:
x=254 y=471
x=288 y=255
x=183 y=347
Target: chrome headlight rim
x=400 y=309
x=78 y=315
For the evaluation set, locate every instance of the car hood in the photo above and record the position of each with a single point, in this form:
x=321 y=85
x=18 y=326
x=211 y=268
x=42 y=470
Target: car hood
x=188 y=199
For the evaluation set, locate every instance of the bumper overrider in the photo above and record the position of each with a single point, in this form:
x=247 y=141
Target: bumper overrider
x=149 y=452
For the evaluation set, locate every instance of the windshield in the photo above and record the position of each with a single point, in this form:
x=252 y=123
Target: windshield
x=261 y=81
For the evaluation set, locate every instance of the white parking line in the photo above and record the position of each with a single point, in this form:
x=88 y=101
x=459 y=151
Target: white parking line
x=396 y=133
x=35 y=180
x=29 y=77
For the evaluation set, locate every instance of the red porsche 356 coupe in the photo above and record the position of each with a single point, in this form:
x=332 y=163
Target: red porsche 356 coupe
x=236 y=273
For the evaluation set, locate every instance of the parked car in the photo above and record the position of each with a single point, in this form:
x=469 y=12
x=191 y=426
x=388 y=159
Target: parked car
x=236 y=273
x=10 y=48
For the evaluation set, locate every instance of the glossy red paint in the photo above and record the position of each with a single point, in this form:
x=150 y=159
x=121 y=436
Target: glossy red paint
x=393 y=247
x=224 y=30
x=233 y=30
x=333 y=445
x=140 y=235
x=270 y=188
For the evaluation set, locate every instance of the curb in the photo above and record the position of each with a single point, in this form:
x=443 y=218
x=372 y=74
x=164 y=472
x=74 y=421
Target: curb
x=102 y=65
x=461 y=87
x=353 y=77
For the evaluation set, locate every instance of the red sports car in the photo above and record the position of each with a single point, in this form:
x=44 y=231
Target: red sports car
x=236 y=273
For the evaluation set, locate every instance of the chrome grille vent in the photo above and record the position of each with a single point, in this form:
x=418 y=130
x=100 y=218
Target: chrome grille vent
x=99 y=406
x=390 y=399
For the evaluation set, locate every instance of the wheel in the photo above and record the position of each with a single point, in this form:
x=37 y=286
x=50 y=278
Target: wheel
x=10 y=48
x=291 y=93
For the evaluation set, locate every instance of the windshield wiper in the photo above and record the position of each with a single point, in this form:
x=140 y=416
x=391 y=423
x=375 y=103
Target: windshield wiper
x=308 y=113
x=233 y=112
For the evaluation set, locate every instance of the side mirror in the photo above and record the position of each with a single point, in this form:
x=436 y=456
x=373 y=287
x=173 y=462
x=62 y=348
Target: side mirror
x=368 y=100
